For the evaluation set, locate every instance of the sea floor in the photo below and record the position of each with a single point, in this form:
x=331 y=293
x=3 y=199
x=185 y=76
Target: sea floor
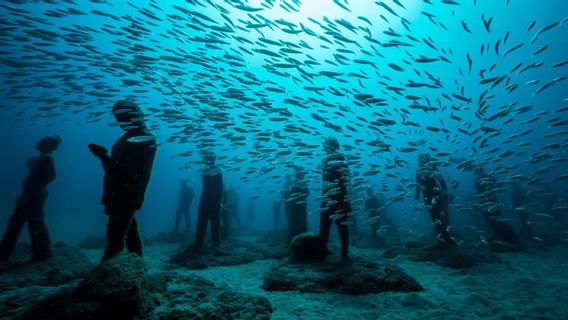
x=524 y=286
x=527 y=285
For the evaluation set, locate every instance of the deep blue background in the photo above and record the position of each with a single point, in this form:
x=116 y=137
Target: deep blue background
x=73 y=209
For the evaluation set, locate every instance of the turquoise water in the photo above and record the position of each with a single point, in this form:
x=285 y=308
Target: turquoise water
x=261 y=83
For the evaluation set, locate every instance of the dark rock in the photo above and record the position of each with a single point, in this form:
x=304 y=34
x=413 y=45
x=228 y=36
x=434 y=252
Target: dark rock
x=345 y=277
x=168 y=237
x=189 y=297
x=120 y=288
x=274 y=250
x=392 y=253
x=93 y=243
x=368 y=242
x=500 y=246
x=202 y=258
x=229 y=253
x=120 y=282
x=415 y=244
x=116 y=289
x=15 y=302
x=67 y=264
x=308 y=247
x=272 y=237
x=451 y=256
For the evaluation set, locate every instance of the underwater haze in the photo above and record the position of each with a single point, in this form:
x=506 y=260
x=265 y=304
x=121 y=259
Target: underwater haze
x=261 y=85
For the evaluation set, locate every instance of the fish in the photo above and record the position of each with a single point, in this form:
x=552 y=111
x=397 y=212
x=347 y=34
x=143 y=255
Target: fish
x=258 y=80
x=512 y=49
x=465 y=27
x=540 y=50
x=487 y=23
x=341 y=5
x=141 y=139
x=560 y=64
x=531 y=25
x=546 y=28
x=387 y=8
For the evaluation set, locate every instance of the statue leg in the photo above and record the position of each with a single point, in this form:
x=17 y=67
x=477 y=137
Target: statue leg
x=39 y=235
x=216 y=226
x=133 y=239
x=15 y=224
x=118 y=226
x=343 y=229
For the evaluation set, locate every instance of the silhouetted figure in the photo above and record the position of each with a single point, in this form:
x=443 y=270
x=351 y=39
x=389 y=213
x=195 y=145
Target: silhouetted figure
x=233 y=204
x=297 y=206
x=276 y=205
x=210 y=202
x=29 y=206
x=335 y=205
x=485 y=185
x=186 y=196
x=225 y=212
x=518 y=201
x=127 y=172
x=280 y=202
x=372 y=208
x=387 y=228
x=432 y=186
x=285 y=193
x=550 y=199
x=251 y=213
x=229 y=212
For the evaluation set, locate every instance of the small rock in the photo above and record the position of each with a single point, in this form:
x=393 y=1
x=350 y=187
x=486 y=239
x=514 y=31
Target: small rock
x=353 y=277
x=308 y=246
x=93 y=243
x=67 y=264
x=116 y=289
x=229 y=253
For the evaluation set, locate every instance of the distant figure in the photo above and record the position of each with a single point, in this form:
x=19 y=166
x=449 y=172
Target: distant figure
x=229 y=212
x=210 y=202
x=29 y=206
x=550 y=200
x=225 y=224
x=335 y=205
x=519 y=200
x=485 y=186
x=251 y=213
x=277 y=204
x=432 y=186
x=233 y=204
x=127 y=172
x=387 y=227
x=372 y=208
x=285 y=193
x=186 y=196
x=297 y=206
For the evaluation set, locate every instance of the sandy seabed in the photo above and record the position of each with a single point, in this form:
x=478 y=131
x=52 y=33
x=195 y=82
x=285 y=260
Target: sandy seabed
x=527 y=285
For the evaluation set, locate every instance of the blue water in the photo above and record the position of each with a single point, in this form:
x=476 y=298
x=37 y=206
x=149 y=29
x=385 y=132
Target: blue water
x=57 y=86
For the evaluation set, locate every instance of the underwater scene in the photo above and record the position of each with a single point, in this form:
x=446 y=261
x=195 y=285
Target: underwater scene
x=283 y=159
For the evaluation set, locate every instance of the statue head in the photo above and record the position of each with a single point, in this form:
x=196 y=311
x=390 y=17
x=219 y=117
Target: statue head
x=128 y=115
x=208 y=157
x=478 y=171
x=423 y=159
x=331 y=145
x=48 y=144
